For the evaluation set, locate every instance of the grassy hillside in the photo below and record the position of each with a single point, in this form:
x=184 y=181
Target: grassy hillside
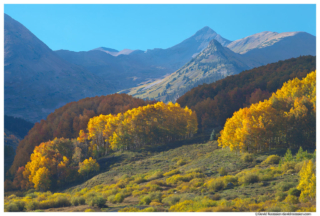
x=141 y=180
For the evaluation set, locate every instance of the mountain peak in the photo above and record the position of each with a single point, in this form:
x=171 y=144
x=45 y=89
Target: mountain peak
x=205 y=30
x=214 y=42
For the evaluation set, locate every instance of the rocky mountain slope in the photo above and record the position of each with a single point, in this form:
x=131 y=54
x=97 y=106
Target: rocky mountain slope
x=128 y=68
x=217 y=62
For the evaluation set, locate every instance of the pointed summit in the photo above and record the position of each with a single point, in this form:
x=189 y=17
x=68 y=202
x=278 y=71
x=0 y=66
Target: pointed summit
x=205 y=30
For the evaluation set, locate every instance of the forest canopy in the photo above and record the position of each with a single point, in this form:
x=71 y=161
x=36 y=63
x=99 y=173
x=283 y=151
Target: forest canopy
x=146 y=125
x=287 y=118
x=68 y=120
x=216 y=102
x=60 y=161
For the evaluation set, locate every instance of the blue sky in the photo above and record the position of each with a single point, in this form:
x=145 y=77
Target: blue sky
x=85 y=27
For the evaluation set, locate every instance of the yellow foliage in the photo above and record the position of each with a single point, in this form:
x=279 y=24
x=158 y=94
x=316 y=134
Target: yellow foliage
x=41 y=180
x=290 y=199
x=271 y=159
x=307 y=209
x=88 y=166
x=256 y=127
x=89 y=210
x=135 y=128
x=153 y=203
x=307 y=183
x=171 y=172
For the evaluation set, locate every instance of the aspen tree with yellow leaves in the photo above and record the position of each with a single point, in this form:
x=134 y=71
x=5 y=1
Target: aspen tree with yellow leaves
x=88 y=166
x=287 y=119
x=307 y=183
x=146 y=125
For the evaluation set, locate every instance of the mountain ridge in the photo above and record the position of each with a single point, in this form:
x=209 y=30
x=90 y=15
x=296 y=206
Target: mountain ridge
x=141 y=66
x=37 y=80
x=255 y=50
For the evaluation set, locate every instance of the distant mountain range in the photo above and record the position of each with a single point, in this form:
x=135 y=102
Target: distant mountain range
x=39 y=80
x=128 y=68
x=216 y=62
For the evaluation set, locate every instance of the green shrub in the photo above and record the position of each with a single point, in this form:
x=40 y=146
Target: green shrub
x=290 y=199
x=298 y=166
x=301 y=155
x=29 y=192
x=294 y=192
x=284 y=186
x=154 y=196
x=216 y=184
x=280 y=196
x=156 y=175
x=159 y=182
x=181 y=162
x=15 y=206
x=223 y=171
x=197 y=182
x=171 y=172
x=247 y=157
x=249 y=178
x=213 y=135
x=112 y=191
x=138 y=180
x=118 y=198
x=32 y=205
x=154 y=187
x=185 y=178
x=266 y=177
x=11 y=207
x=272 y=159
x=171 y=200
x=289 y=165
x=21 y=205
x=45 y=204
x=31 y=195
x=146 y=200
x=98 y=201
x=111 y=199
x=75 y=201
x=195 y=170
x=288 y=156
x=62 y=201
x=230 y=179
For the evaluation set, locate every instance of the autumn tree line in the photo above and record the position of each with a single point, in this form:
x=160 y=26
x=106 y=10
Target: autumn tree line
x=286 y=119
x=214 y=103
x=58 y=162
x=148 y=125
x=68 y=120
